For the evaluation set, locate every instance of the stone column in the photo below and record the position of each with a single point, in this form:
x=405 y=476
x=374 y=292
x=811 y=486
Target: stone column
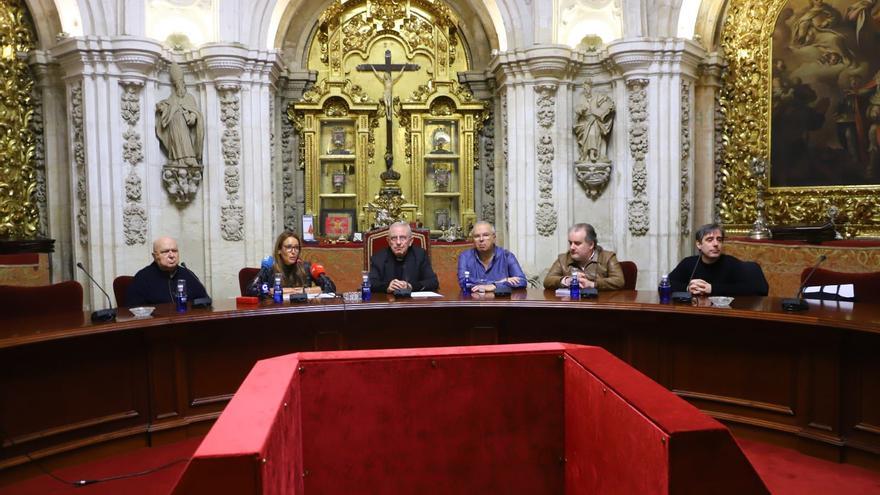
x=55 y=160
x=655 y=130
x=238 y=90
x=289 y=174
x=103 y=81
x=707 y=140
x=533 y=90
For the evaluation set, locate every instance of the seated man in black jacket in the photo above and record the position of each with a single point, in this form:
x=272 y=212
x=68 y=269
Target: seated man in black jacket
x=402 y=265
x=712 y=273
x=157 y=282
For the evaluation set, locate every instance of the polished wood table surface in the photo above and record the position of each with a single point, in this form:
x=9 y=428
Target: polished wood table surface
x=69 y=388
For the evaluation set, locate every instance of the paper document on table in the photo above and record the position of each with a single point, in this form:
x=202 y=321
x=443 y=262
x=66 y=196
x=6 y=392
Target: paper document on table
x=425 y=293
x=563 y=292
x=322 y=295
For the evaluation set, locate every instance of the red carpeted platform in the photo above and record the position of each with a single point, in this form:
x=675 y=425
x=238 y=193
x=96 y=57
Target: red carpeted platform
x=542 y=418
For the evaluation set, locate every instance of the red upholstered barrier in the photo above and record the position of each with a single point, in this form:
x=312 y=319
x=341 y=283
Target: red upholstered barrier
x=537 y=418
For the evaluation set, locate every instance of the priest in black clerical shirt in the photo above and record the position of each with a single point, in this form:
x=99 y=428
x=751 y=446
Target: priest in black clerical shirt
x=712 y=273
x=401 y=265
x=157 y=282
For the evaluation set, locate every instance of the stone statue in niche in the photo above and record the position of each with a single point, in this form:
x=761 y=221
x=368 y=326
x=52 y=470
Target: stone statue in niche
x=595 y=118
x=180 y=127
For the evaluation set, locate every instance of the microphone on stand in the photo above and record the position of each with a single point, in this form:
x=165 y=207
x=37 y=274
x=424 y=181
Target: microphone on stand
x=686 y=296
x=320 y=275
x=108 y=314
x=798 y=303
x=199 y=302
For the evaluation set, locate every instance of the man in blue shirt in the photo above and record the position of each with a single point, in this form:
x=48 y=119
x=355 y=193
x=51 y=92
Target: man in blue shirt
x=488 y=264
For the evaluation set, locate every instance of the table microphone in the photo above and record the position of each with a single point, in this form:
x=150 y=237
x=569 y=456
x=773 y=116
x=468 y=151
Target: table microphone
x=199 y=302
x=320 y=276
x=686 y=297
x=798 y=303
x=101 y=314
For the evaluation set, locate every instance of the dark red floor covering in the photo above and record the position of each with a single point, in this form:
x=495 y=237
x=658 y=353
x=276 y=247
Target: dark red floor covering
x=788 y=472
x=157 y=483
x=785 y=471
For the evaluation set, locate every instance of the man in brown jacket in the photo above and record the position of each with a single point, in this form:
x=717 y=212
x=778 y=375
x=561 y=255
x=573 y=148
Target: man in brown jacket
x=595 y=266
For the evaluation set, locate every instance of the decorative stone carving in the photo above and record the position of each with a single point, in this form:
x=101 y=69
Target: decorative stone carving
x=180 y=128
x=134 y=215
x=594 y=120
x=545 y=216
x=638 y=207
x=40 y=196
x=232 y=222
x=79 y=160
x=685 y=207
x=288 y=200
x=546 y=105
x=504 y=151
x=231 y=214
x=488 y=138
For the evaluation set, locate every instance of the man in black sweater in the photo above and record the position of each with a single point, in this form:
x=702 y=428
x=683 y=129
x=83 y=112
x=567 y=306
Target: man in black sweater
x=712 y=273
x=157 y=282
x=401 y=265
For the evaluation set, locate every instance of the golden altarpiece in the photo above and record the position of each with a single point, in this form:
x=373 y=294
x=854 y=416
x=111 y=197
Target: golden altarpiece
x=387 y=133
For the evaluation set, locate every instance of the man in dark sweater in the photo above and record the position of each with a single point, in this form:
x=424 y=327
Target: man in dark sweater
x=712 y=273
x=401 y=265
x=157 y=282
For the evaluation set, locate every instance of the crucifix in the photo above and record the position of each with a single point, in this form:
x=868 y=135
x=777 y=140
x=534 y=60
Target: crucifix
x=388 y=80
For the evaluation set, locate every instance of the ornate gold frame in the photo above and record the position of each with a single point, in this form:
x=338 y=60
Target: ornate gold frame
x=19 y=213
x=745 y=101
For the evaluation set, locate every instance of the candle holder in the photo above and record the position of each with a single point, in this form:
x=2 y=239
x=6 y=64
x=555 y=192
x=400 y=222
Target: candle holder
x=759 y=172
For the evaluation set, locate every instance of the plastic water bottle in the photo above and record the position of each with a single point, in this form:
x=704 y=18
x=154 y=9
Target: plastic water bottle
x=574 y=290
x=181 y=296
x=466 y=283
x=665 y=290
x=366 y=293
x=278 y=296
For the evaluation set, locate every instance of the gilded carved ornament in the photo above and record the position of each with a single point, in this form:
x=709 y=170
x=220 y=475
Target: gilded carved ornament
x=19 y=212
x=745 y=103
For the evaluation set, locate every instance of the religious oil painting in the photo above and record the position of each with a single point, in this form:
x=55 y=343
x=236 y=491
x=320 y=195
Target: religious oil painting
x=825 y=94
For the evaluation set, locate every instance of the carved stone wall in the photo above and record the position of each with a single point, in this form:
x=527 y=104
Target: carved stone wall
x=232 y=213
x=546 y=216
x=487 y=138
x=684 y=164
x=40 y=196
x=134 y=215
x=638 y=207
x=78 y=152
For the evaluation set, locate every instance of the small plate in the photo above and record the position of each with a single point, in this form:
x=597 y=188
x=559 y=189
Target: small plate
x=142 y=311
x=721 y=301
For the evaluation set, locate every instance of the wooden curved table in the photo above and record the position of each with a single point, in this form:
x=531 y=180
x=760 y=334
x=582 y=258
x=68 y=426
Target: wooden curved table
x=69 y=387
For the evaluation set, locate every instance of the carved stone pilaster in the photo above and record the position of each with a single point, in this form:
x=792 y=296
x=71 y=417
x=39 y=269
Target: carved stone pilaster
x=685 y=206
x=545 y=216
x=288 y=177
x=77 y=140
x=232 y=213
x=505 y=150
x=487 y=135
x=638 y=207
x=134 y=214
x=40 y=195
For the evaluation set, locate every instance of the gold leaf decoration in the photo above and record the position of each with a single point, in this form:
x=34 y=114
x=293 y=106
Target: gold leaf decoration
x=19 y=212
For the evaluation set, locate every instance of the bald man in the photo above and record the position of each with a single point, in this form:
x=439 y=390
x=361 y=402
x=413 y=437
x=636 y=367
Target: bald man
x=157 y=282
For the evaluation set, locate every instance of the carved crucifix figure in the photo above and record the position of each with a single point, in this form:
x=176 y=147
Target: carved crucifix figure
x=388 y=79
